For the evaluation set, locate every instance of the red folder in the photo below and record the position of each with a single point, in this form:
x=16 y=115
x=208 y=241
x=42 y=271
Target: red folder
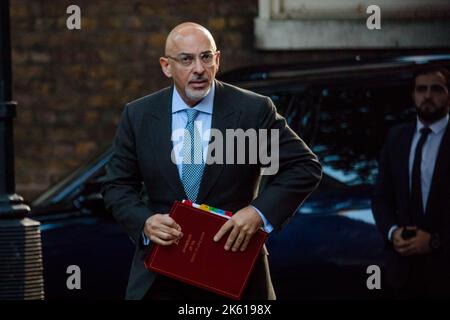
x=200 y=261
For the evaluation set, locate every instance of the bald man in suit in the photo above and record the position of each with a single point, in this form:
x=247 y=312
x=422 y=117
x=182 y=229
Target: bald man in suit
x=143 y=154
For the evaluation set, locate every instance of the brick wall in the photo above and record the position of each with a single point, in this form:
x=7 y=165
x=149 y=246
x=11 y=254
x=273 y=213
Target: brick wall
x=72 y=85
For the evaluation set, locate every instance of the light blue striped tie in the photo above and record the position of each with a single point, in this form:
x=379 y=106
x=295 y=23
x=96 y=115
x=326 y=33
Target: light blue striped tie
x=192 y=169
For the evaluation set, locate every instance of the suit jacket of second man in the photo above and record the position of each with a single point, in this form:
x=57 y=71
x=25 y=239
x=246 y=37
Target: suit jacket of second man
x=392 y=200
x=142 y=153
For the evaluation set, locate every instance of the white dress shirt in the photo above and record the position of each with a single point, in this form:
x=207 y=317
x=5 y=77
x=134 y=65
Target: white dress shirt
x=429 y=154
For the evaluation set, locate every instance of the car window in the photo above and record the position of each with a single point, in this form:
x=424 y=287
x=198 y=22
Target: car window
x=345 y=123
x=352 y=124
x=300 y=108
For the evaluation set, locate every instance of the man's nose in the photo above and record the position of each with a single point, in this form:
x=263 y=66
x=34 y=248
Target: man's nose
x=428 y=92
x=198 y=66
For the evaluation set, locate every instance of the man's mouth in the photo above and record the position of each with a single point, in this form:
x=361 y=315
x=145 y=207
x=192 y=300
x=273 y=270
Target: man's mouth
x=428 y=104
x=198 y=84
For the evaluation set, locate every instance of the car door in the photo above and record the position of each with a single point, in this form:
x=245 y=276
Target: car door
x=77 y=232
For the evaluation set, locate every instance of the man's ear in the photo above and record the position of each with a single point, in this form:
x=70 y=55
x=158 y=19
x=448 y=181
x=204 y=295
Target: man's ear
x=165 y=66
x=217 y=60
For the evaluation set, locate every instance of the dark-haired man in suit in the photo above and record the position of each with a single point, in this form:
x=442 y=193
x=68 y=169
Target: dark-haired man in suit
x=411 y=202
x=143 y=153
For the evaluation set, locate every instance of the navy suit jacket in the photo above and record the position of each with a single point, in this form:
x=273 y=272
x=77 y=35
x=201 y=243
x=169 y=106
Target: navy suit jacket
x=391 y=202
x=142 y=154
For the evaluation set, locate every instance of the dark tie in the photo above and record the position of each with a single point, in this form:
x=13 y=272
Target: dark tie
x=416 y=185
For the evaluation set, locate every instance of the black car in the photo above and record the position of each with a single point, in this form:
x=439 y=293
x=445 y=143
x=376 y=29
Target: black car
x=343 y=110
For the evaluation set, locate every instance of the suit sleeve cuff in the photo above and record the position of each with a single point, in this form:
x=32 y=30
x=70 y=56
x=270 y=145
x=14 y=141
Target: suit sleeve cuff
x=391 y=231
x=145 y=240
x=267 y=226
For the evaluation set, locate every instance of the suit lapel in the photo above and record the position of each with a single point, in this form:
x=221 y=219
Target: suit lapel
x=224 y=116
x=440 y=176
x=405 y=150
x=161 y=137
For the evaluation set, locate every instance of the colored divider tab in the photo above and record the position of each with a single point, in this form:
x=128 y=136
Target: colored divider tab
x=205 y=207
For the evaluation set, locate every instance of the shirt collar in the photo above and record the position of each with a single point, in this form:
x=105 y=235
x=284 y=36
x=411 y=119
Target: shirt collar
x=436 y=127
x=205 y=105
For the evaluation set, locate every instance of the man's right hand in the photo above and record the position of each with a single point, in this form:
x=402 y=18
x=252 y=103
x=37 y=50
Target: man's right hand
x=162 y=229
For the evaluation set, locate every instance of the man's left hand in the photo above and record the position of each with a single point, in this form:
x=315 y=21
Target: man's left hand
x=243 y=225
x=420 y=244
